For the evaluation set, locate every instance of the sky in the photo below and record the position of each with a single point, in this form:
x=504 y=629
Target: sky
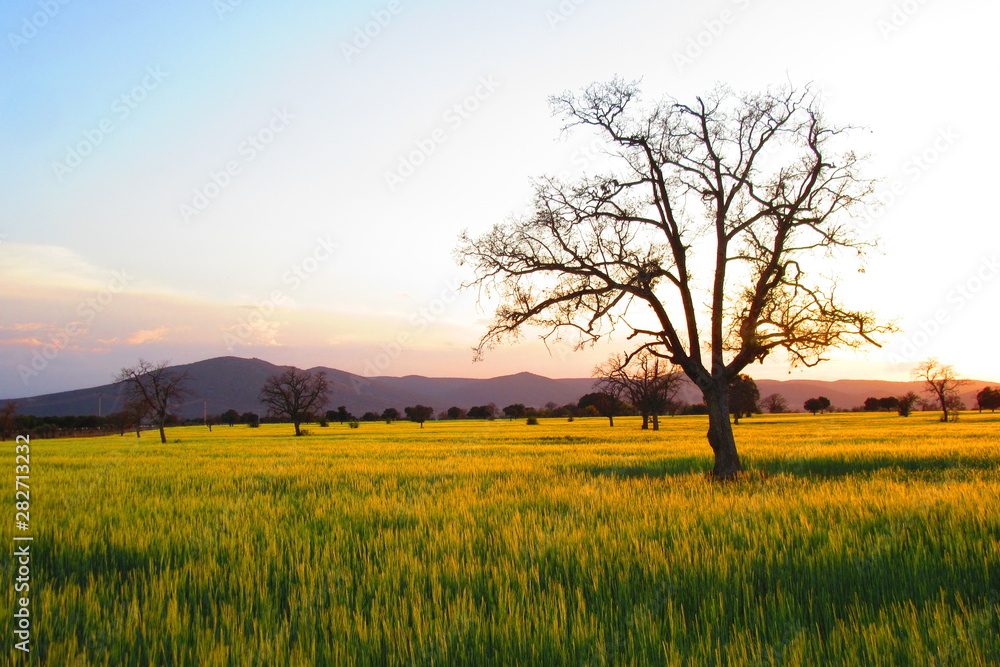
x=204 y=178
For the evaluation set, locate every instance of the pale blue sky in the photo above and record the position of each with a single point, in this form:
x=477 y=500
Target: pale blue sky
x=187 y=91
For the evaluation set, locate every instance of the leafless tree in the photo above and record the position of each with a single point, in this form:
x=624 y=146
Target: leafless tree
x=155 y=386
x=774 y=403
x=706 y=223
x=645 y=380
x=294 y=395
x=941 y=381
x=7 y=414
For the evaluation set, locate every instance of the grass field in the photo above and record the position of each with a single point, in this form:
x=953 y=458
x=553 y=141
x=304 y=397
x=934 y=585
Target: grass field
x=861 y=539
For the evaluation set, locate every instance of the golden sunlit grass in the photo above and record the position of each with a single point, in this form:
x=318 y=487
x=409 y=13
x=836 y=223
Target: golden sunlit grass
x=858 y=539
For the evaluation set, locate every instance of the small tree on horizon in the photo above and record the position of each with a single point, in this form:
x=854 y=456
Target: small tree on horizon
x=743 y=397
x=813 y=405
x=774 y=404
x=154 y=386
x=941 y=381
x=295 y=394
x=647 y=381
x=988 y=398
x=419 y=413
x=7 y=414
x=905 y=403
x=605 y=403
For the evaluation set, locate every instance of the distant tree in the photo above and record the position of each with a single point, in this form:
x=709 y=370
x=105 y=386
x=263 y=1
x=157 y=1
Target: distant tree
x=942 y=382
x=137 y=412
x=7 y=414
x=419 y=414
x=774 y=404
x=293 y=394
x=341 y=414
x=888 y=403
x=369 y=417
x=251 y=419
x=156 y=386
x=482 y=412
x=743 y=397
x=390 y=414
x=824 y=403
x=647 y=381
x=515 y=411
x=871 y=404
x=905 y=403
x=813 y=405
x=455 y=412
x=118 y=422
x=230 y=417
x=988 y=399
x=605 y=402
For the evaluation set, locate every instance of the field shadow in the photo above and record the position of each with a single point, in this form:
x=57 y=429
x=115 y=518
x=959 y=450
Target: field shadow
x=832 y=466
x=813 y=467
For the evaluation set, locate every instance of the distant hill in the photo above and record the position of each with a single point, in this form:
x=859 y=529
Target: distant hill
x=232 y=382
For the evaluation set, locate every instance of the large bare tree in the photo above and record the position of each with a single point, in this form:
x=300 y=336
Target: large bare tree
x=295 y=395
x=648 y=382
x=155 y=386
x=705 y=221
x=941 y=381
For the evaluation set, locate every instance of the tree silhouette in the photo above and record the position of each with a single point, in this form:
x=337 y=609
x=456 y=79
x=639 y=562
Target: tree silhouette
x=294 y=395
x=155 y=387
x=813 y=405
x=606 y=403
x=648 y=382
x=743 y=397
x=774 y=404
x=719 y=203
x=943 y=383
x=905 y=403
x=418 y=413
x=988 y=399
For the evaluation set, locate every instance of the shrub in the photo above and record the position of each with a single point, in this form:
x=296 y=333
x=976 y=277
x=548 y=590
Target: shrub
x=532 y=421
x=570 y=418
x=354 y=424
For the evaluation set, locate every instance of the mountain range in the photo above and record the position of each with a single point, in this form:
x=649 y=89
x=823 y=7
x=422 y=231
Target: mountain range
x=223 y=383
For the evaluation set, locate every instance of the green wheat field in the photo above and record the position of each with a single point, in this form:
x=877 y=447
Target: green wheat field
x=858 y=539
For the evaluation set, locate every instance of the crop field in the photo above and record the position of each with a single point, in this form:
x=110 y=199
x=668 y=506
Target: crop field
x=857 y=539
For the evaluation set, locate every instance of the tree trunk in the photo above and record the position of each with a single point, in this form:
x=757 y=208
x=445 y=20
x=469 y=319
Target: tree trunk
x=163 y=435
x=645 y=421
x=611 y=420
x=298 y=431
x=720 y=435
x=656 y=422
